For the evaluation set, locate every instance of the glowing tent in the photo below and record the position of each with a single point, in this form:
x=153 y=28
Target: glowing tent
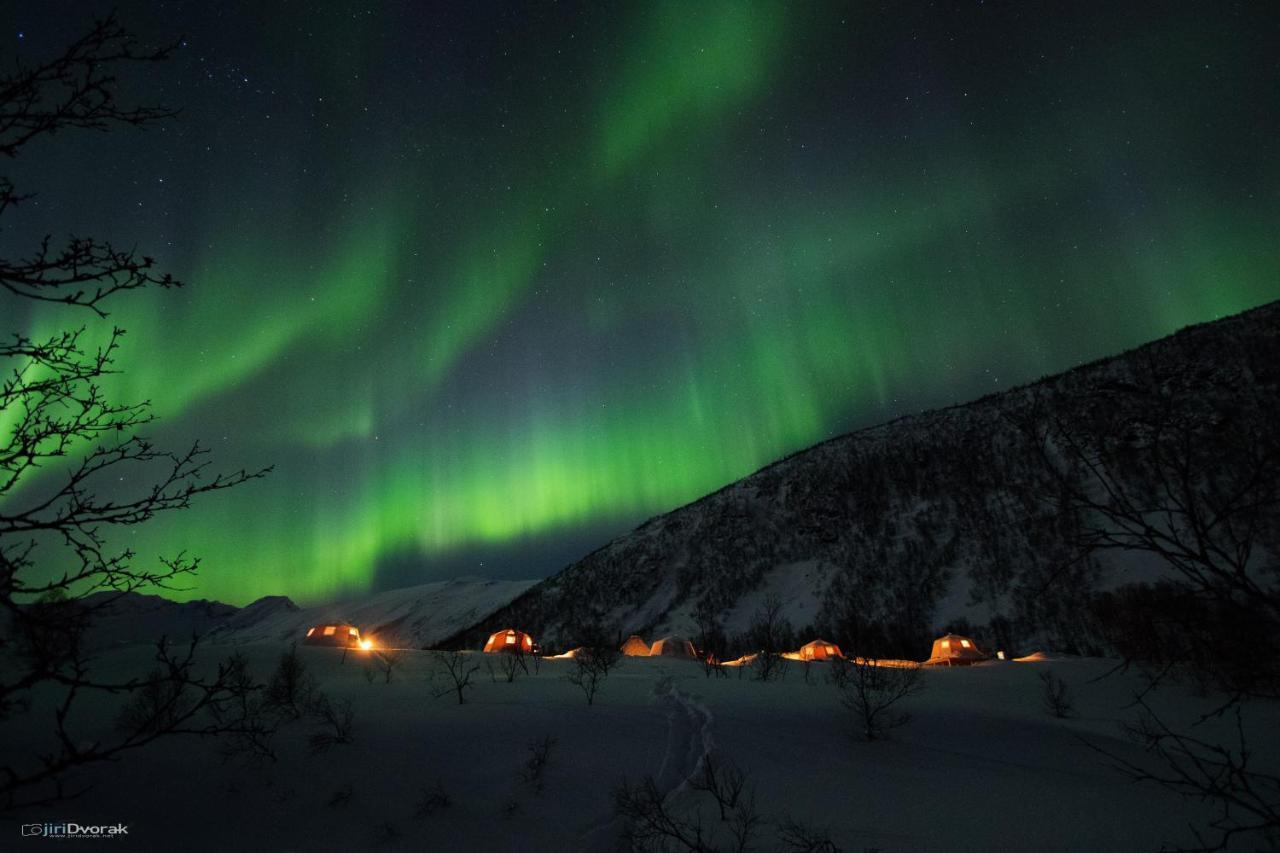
x=673 y=647
x=635 y=647
x=332 y=635
x=954 y=650
x=818 y=650
x=510 y=640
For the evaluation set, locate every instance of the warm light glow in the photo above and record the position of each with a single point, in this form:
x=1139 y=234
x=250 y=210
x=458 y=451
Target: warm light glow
x=310 y=631
x=366 y=644
x=964 y=643
x=1000 y=655
x=328 y=630
x=946 y=644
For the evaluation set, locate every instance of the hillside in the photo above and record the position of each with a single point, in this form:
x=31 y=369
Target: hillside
x=928 y=520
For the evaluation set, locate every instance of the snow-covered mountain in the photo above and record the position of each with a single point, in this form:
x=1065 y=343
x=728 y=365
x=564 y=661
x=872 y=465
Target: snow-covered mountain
x=413 y=617
x=922 y=521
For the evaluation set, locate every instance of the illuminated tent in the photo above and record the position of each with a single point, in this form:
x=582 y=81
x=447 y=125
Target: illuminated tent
x=954 y=650
x=673 y=647
x=332 y=635
x=635 y=647
x=818 y=650
x=510 y=640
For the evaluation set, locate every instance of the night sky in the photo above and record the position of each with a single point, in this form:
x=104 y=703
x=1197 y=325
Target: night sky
x=491 y=284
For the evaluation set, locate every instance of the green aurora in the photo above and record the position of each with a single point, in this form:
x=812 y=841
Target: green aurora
x=490 y=288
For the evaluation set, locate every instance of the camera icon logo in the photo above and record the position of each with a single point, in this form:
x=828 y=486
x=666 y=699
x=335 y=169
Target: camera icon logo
x=33 y=829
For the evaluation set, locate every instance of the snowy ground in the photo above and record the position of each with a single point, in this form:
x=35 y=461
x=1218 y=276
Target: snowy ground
x=980 y=767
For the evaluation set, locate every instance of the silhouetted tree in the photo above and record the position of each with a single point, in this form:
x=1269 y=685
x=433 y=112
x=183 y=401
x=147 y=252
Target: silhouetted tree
x=1055 y=696
x=536 y=764
x=871 y=692
x=460 y=669
x=597 y=653
x=711 y=641
x=53 y=408
x=337 y=724
x=385 y=662
x=768 y=636
x=1187 y=473
x=1183 y=467
x=292 y=688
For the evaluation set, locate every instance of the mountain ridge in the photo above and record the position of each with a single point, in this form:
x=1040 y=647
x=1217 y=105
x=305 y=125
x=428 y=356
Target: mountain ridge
x=597 y=588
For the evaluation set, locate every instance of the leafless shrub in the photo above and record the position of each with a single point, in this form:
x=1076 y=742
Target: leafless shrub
x=384 y=662
x=249 y=723
x=536 y=765
x=156 y=706
x=744 y=822
x=432 y=800
x=724 y=782
x=337 y=721
x=512 y=664
x=460 y=669
x=597 y=654
x=171 y=700
x=1055 y=695
x=768 y=666
x=652 y=825
x=1246 y=801
x=292 y=689
x=870 y=691
x=770 y=634
x=587 y=674
x=796 y=837
x=711 y=640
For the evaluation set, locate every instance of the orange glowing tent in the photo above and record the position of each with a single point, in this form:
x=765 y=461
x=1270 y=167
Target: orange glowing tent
x=509 y=640
x=332 y=635
x=635 y=647
x=818 y=650
x=673 y=647
x=954 y=650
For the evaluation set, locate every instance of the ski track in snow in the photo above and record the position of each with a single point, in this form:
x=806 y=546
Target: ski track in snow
x=689 y=741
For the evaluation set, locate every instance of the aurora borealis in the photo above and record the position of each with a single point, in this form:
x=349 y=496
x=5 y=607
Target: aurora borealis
x=490 y=284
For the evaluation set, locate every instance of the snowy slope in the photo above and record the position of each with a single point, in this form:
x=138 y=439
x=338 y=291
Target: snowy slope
x=981 y=766
x=931 y=518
